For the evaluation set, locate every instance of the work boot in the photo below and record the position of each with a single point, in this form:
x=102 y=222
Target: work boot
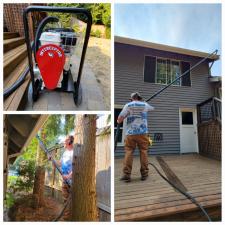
x=144 y=177
x=125 y=178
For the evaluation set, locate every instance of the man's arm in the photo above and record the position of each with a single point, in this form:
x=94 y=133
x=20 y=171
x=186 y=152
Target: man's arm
x=68 y=176
x=123 y=114
x=120 y=119
x=149 y=107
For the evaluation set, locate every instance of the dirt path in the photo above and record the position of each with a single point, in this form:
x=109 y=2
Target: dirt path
x=99 y=58
x=24 y=211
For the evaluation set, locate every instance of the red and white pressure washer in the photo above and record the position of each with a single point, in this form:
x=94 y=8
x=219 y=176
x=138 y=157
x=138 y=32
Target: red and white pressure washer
x=52 y=51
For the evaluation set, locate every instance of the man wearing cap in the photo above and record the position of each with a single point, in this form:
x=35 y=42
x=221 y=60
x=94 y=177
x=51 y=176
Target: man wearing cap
x=66 y=168
x=136 y=113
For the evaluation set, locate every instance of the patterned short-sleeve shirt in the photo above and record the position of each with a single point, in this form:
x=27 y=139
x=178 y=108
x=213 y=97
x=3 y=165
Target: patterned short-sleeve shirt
x=136 y=113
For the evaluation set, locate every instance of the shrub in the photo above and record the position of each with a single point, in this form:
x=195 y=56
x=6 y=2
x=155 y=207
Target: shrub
x=25 y=179
x=108 y=32
x=98 y=33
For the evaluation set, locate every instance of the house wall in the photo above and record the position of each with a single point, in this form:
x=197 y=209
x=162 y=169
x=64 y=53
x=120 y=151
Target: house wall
x=129 y=68
x=13 y=17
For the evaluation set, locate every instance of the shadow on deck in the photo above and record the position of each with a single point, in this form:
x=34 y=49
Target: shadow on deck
x=155 y=200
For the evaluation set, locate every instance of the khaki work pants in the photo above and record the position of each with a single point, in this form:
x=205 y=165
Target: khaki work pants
x=66 y=194
x=142 y=142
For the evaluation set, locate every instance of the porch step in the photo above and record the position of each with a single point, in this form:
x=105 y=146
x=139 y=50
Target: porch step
x=9 y=35
x=15 y=74
x=12 y=58
x=14 y=63
x=12 y=43
x=18 y=99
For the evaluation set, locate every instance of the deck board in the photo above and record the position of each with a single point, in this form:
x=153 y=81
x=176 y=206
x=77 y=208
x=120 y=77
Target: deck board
x=154 y=198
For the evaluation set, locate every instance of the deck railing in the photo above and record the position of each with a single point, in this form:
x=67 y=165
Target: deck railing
x=209 y=128
x=209 y=110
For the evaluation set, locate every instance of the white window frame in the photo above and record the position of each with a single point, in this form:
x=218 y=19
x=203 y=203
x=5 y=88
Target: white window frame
x=157 y=70
x=171 y=60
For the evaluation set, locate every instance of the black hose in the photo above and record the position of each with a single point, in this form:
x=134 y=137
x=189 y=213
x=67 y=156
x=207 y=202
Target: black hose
x=63 y=209
x=17 y=84
x=19 y=81
x=49 y=19
x=187 y=195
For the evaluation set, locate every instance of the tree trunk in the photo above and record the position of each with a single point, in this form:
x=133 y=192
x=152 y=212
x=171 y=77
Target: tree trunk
x=39 y=180
x=84 y=204
x=38 y=190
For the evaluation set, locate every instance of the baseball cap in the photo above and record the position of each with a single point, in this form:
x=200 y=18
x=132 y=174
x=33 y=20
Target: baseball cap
x=135 y=95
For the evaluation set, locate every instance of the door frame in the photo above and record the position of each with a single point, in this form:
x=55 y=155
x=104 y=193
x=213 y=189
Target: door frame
x=195 y=123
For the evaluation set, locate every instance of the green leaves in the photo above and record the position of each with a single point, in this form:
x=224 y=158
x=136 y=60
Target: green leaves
x=101 y=13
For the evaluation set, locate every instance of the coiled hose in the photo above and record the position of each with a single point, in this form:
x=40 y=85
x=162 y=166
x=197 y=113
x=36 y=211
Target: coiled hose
x=46 y=20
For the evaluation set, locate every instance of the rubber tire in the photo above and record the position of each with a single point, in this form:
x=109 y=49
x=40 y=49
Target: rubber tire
x=36 y=91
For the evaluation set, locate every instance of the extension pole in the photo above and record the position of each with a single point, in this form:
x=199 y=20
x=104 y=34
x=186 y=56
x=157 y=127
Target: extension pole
x=43 y=147
x=161 y=90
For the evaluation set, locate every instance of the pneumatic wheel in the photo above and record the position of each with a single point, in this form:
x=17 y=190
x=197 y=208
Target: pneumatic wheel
x=36 y=90
x=77 y=95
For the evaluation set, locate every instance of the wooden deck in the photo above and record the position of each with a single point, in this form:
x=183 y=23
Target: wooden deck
x=155 y=200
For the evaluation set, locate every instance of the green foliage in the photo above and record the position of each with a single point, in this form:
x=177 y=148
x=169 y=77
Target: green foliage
x=101 y=14
x=106 y=15
x=69 y=124
x=97 y=33
x=9 y=201
x=76 y=28
x=25 y=179
x=52 y=129
x=108 y=32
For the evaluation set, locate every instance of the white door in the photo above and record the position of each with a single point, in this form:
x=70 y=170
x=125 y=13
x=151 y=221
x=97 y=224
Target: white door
x=188 y=131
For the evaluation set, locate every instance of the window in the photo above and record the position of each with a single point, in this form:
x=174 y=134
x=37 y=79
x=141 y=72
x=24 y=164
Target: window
x=187 y=118
x=167 y=71
x=161 y=72
x=121 y=138
x=175 y=72
x=164 y=71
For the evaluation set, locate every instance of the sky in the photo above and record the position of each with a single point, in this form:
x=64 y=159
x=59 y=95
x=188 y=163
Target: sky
x=191 y=26
x=100 y=123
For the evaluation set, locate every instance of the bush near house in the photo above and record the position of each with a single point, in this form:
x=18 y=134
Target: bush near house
x=101 y=15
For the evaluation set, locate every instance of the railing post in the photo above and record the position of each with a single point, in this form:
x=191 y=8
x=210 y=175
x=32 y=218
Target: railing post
x=198 y=114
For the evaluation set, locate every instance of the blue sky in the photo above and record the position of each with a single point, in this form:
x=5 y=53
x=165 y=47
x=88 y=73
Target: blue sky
x=192 y=26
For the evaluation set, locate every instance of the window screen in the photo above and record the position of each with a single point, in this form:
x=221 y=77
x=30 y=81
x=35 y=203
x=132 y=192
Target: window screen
x=187 y=118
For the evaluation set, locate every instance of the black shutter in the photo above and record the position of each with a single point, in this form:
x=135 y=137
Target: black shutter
x=149 y=70
x=186 y=79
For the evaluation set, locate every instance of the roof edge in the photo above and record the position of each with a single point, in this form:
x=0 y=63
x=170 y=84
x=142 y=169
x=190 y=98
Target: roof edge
x=136 y=42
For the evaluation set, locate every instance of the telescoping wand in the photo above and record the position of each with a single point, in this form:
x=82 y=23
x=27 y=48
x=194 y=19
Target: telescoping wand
x=164 y=88
x=43 y=147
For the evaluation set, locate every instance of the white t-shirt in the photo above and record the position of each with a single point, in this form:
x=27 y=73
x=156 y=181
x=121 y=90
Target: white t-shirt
x=136 y=113
x=66 y=161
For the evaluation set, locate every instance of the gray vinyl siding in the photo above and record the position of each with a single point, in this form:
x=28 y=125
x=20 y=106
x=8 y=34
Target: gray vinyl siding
x=129 y=70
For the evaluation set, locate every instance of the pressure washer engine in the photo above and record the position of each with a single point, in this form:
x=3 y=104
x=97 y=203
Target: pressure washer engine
x=52 y=52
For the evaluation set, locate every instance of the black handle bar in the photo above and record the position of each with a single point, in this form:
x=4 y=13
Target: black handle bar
x=71 y=10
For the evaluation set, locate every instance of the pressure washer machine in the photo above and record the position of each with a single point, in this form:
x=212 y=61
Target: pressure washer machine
x=50 y=55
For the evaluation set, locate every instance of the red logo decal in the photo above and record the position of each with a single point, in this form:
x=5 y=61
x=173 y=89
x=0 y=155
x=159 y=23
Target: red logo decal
x=50 y=60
